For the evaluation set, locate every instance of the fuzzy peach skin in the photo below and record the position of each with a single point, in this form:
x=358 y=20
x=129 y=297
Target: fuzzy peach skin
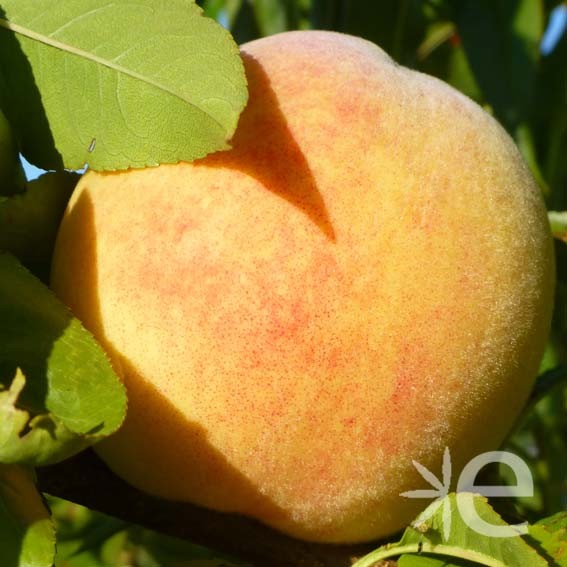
x=362 y=281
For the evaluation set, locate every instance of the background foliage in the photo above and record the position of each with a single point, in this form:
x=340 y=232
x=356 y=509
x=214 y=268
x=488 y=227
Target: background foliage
x=492 y=51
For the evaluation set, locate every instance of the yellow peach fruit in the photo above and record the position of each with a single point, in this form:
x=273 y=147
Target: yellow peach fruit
x=363 y=280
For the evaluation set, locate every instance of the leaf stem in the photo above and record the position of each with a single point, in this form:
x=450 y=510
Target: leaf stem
x=547 y=382
x=426 y=547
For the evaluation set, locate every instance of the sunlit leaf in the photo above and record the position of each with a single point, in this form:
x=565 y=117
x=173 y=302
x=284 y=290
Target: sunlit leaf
x=138 y=84
x=449 y=532
x=59 y=393
x=551 y=534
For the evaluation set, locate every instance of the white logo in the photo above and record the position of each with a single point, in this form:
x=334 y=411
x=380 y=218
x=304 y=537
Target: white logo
x=466 y=486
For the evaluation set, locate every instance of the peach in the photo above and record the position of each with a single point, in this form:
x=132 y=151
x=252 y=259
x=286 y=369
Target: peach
x=364 y=279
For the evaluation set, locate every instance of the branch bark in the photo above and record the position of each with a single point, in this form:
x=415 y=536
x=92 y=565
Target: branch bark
x=86 y=480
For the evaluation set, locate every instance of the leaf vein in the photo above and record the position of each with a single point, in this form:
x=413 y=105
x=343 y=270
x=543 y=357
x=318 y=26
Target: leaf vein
x=6 y=24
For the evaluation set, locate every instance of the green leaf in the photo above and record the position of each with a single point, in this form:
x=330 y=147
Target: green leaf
x=224 y=11
x=460 y=75
x=29 y=221
x=442 y=530
x=27 y=535
x=524 y=139
x=549 y=122
x=427 y=561
x=397 y=27
x=244 y=26
x=545 y=385
x=66 y=395
x=117 y=85
x=35 y=440
x=271 y=16
x=551 y=535
x=501 y=40
x=437 y=34
x=11 y=171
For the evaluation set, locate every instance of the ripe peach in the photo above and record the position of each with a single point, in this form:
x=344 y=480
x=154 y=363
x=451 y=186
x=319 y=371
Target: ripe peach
x=364 y=279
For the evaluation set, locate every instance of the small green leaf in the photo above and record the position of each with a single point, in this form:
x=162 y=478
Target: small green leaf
x=24 y=438
x=29 y=221
x=551 y=534
x=137 y=84
x=437 y=34
x=526 y=144
x=27 y=535
x=66 y=395
x=441 y=530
